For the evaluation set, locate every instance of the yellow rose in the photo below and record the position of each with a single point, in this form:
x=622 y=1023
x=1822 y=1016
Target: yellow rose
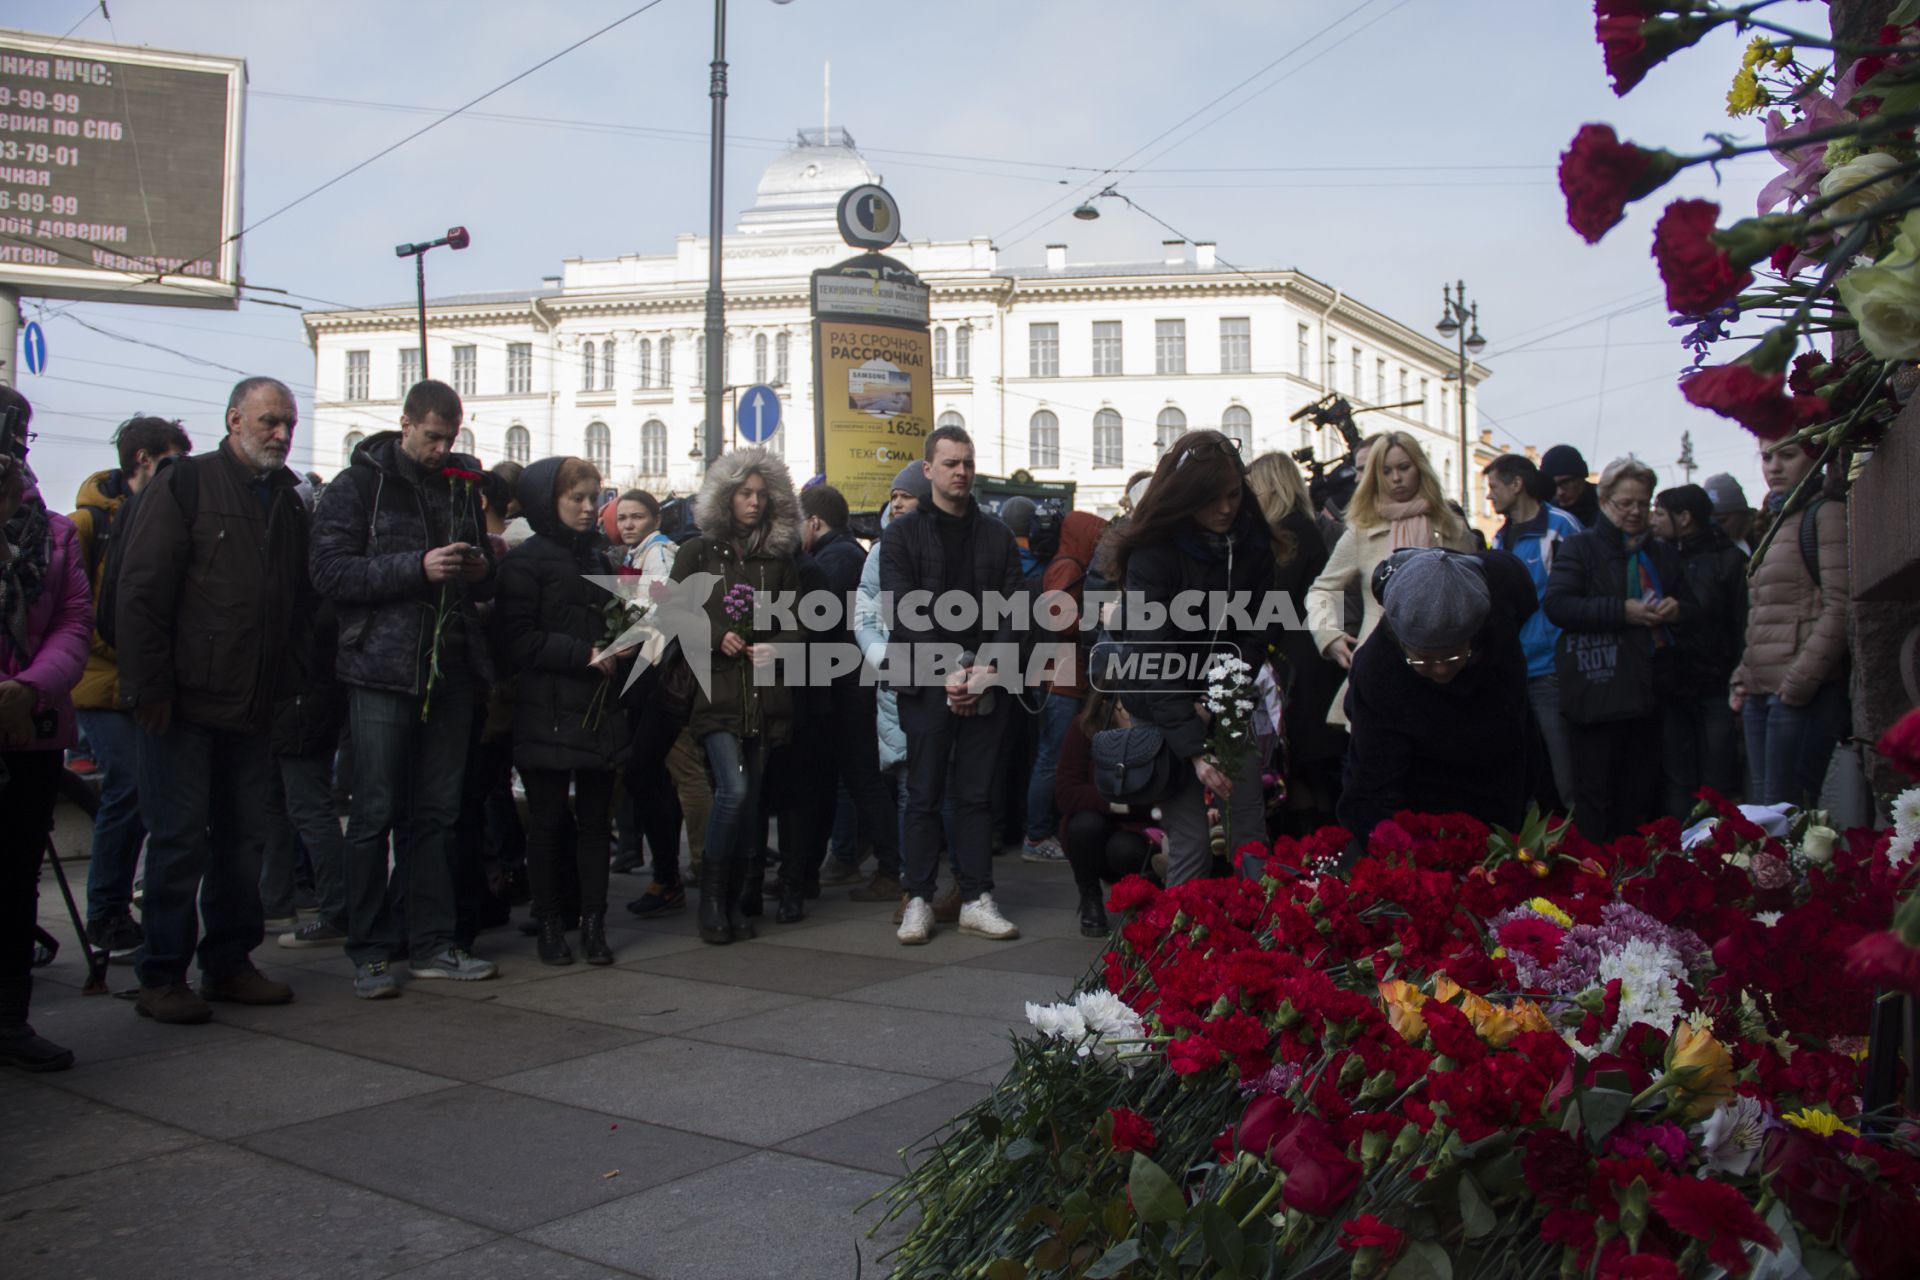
x=1701 y=1068
x=1445 y=988
x=1490 y=1022
x=1530 y=1016
x=1403 y=1001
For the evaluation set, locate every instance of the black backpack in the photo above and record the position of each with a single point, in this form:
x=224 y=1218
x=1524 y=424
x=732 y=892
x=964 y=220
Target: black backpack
x=186 y=494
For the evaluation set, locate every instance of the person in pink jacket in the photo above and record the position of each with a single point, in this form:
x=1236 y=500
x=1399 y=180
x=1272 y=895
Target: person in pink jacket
x=46 y=620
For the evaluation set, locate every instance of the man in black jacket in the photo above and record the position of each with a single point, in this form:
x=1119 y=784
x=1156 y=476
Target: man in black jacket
x=1699 y=735
x=950 y=548
x=400 y=548
x=1437 y=699
x=211 y=588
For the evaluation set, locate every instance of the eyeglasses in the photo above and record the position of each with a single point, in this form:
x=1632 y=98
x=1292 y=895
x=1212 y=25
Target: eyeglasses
x=1629 y=505
x=1421 y=664
x=1206 y=447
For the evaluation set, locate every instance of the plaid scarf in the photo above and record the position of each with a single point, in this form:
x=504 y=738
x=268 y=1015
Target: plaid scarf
x=24 y=576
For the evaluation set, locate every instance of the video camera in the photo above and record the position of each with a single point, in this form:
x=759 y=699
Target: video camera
x=1330 y=483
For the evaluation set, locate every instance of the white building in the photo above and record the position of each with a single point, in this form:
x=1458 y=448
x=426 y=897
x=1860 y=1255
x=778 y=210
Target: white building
x=1070 y=371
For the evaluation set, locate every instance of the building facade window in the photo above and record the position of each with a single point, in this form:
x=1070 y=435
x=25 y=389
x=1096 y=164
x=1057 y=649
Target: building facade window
x=963 y=351
x=357 y=380
x=646 y=362
x=1446 y=406
x=1379 y=381
x=1333 y=363
x=519 y=368
x=1108 y=439
x=1169 y=346
x=466 y=370
x=607 y=349
x=599 y=449
x=940 y=352
x=464 y=443
x=1237 y=421
x=700 y=362
x=1403 y=386
x=653 y=448
x=951 y=419
x=1043 y=350
x=666 y=362
x=759 y=357
x=589 y=365
x=1353 y=375
x=1236 y=344
x=1043 y=441
x=1302 y=342
x=347 y=447
x=1168 y=427
x=409 y=370
x=519 y=444
x=1423 y=402
x=782 y=345
x=1107 y=357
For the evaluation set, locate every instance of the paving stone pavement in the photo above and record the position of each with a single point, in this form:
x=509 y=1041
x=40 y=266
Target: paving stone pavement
x=693 y=1111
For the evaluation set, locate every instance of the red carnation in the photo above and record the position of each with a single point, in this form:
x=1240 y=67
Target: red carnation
x=1883 y=960
x=1367 y=1231
x=1132 y=893
x=1131 y=1130
x=1901 y=744
x=1599 y=174
x=1533 y=936
x=1783 y=257
x=1622 y=45
x=1716 y=1213
x=1698 y=273
x=1193 y=1054
x=1756 y=400
x=461 y=473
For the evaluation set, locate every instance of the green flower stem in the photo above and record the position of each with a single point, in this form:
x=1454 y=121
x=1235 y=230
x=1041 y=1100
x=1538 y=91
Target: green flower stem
x=1265 y=1202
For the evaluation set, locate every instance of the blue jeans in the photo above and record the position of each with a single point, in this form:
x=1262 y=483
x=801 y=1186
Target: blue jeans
x=734 y=822
x=406 y=782
x=203 y=793
x=1788 y=747
x=308 y=782
x=1043 y=819
x=117 y=828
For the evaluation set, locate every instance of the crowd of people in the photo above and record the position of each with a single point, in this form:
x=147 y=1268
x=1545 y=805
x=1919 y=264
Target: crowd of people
x=382 y=711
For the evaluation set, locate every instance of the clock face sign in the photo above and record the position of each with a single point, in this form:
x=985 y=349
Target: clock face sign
x=869 y=219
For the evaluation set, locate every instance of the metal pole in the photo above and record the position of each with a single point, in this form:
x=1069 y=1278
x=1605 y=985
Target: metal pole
x=716 y=314
x=420 y=274
x=1466 y=486
x=9 y=336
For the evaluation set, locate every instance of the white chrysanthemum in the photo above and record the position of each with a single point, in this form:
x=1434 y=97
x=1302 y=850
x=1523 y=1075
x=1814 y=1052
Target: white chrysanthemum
x=1906 y=827
x=1767 y=918
x=1058 y=1021
x=1108 y=1015
x=1649 y=977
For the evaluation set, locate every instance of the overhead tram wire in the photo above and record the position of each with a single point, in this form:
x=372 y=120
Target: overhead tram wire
x=431 y=125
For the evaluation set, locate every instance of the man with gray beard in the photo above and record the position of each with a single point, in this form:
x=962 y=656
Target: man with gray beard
x=211 y=589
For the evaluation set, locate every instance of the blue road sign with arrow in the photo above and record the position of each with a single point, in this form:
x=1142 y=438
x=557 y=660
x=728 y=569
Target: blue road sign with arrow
x=33 y=347
x=758 y=414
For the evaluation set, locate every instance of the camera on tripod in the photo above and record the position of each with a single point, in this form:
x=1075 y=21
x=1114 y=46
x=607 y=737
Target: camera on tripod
x=1330 y=483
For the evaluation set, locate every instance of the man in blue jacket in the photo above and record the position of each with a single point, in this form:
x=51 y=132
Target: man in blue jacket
x=1533 y=531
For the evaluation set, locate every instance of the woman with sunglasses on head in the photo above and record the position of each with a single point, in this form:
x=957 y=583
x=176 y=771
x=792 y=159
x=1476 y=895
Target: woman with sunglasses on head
x=1198 y=531
x=1438 y=697
x=1399 y=504
x=1618 y=595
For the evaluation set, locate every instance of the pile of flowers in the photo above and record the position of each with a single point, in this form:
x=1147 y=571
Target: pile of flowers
x=1473 y=1053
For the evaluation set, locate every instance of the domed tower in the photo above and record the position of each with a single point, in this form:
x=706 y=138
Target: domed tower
x=800 y=191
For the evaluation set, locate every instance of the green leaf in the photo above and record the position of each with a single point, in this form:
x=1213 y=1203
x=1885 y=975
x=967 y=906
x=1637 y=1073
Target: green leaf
x=1502 y=1176
x=1155 y=1196
x=1021 y=1150
x=1116 y=1218
x=1225 y=1244
x=1822 y=1264
x=1422 y=1261
x=1906 y=11
x=1901 y=98
x=1006 y=1269
x=1475 y=1214
x=1603 y=1110
x=1115 y=1260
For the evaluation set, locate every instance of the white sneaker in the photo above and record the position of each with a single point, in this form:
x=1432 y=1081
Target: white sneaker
x=916 y=926
x=983 y=919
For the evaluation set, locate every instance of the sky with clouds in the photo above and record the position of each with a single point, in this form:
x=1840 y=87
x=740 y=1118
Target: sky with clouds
x=1384 y=146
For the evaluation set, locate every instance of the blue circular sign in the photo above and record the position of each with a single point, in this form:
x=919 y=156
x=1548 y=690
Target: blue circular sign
x=758 y=413
x=33 y=347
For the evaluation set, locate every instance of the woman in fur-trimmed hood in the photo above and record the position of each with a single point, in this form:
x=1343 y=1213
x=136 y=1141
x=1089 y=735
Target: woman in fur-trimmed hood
x=749 y=522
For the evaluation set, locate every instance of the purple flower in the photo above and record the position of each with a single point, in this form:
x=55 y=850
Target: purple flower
x=1707 y=330
x=1278 y=1079
x=738 y=602
x=1668 y=1139
x=1578 y=965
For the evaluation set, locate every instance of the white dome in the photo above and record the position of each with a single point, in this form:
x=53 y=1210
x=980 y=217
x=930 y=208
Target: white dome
x=801 y=190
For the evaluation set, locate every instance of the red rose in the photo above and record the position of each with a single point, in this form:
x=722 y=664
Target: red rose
x=1756 y=400
x=1261 y=1124
x=1716 y=1213
x=1901 y=744
x=1320 y=1176
x=1367 y=1231
x=1884 y=960
x=1599 y=174
x=1131 y=1130
x=1698 y=273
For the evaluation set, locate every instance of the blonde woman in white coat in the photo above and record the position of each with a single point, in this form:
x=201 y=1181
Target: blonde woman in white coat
x=1398 y=504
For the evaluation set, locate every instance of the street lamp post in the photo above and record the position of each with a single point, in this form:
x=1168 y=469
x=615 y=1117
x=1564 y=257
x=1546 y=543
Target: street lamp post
x=716 y=314
x=1461 y=321
x=456 y=239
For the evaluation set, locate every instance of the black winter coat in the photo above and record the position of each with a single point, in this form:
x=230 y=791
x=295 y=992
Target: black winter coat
x=371 y=531
x=1717 y=573
x=1587 y=592
x=1308 y=681
x=841 y=559
x=1195 y=561
x=308 y=723
x=205 y=607
x=1467 y=746
x=551 y=618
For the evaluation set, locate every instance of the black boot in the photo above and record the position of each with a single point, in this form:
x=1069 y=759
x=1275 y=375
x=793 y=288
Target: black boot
x=744 y=879
x=553 y=941
x=714 y=900
x=593 y=938
x=1093 y=915
x=790 y=910
x=19 y=1045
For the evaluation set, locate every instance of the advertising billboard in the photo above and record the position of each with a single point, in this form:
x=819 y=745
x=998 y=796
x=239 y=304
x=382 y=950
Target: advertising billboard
x=873 y=375
x=119 y=172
